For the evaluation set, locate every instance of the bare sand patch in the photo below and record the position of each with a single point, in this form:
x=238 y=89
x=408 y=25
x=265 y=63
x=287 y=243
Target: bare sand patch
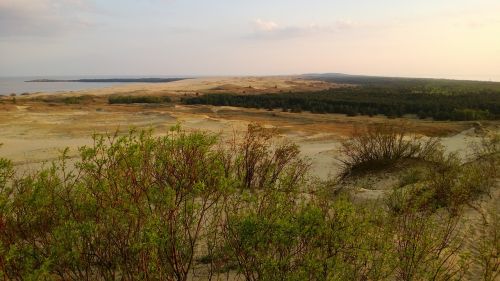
x=247 y=85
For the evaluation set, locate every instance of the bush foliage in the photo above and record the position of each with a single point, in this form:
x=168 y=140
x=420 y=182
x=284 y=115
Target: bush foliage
x=190 y=205
x=138 y=99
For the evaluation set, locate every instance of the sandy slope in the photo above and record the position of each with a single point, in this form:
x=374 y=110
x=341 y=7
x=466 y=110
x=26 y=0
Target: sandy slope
x=248 y=85
x=34 y=131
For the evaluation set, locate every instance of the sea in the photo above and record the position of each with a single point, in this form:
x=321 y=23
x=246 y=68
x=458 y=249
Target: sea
x=18 y=85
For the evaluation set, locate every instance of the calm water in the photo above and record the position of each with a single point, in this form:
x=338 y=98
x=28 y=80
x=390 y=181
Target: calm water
x=17 y=85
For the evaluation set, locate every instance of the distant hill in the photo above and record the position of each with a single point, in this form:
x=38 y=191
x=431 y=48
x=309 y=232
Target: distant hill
x=114 y=80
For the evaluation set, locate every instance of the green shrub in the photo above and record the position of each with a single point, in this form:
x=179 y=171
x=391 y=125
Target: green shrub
x=427 y=247
x=452 y=184
x=66 y=99
x=446 y=183
x=134 y=207
x=145 y=207
x=273 y=237
x=138 y=99
x=485 y=245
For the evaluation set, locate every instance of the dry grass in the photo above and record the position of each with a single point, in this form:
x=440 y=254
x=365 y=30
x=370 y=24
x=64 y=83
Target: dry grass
x=384 y=146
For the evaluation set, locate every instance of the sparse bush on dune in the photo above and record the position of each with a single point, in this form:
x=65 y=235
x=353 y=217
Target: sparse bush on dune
x=383 y=146
x=261 y=160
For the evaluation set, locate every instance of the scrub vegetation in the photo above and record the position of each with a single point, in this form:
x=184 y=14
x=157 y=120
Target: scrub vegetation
x=118 y=99
x=191 y=205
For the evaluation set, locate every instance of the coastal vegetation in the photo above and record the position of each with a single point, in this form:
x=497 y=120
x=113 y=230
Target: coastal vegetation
x=119 y=99
x=82 y=99
x=192 y=205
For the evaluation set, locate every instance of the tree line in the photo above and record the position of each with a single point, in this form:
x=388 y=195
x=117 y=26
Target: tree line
x=370 y=101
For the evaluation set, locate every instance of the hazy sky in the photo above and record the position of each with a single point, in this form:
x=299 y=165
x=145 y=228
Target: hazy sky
x=425 y=38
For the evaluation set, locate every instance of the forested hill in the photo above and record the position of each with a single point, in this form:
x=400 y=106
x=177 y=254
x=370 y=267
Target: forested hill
x=411 y=85
x=393 y=97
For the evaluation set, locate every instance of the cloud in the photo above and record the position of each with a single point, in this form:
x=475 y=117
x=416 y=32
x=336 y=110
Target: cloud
x=272 y=30
x=345 y=24
x=40 y=18
x=265 y=26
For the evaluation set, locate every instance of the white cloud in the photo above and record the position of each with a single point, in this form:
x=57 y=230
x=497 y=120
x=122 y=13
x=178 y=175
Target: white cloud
x=263 y=25
x=19 y=18
x=272 y=30
x=345 y=24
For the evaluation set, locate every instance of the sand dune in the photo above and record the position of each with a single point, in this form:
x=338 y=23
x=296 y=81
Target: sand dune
x=34 y=131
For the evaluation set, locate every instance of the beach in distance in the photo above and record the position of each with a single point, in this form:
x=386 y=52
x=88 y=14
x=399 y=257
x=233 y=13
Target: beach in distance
x=31 y=84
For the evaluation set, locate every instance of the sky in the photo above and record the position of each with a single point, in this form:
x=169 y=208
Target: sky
x=427 y=38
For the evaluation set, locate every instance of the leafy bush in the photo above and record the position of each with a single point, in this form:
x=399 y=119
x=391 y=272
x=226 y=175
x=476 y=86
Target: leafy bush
x=145 y=207
x=448 y=182
x=485 y=244
x=134 y=207
x=272 y=236
x=138 y=99
x=427 y=247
